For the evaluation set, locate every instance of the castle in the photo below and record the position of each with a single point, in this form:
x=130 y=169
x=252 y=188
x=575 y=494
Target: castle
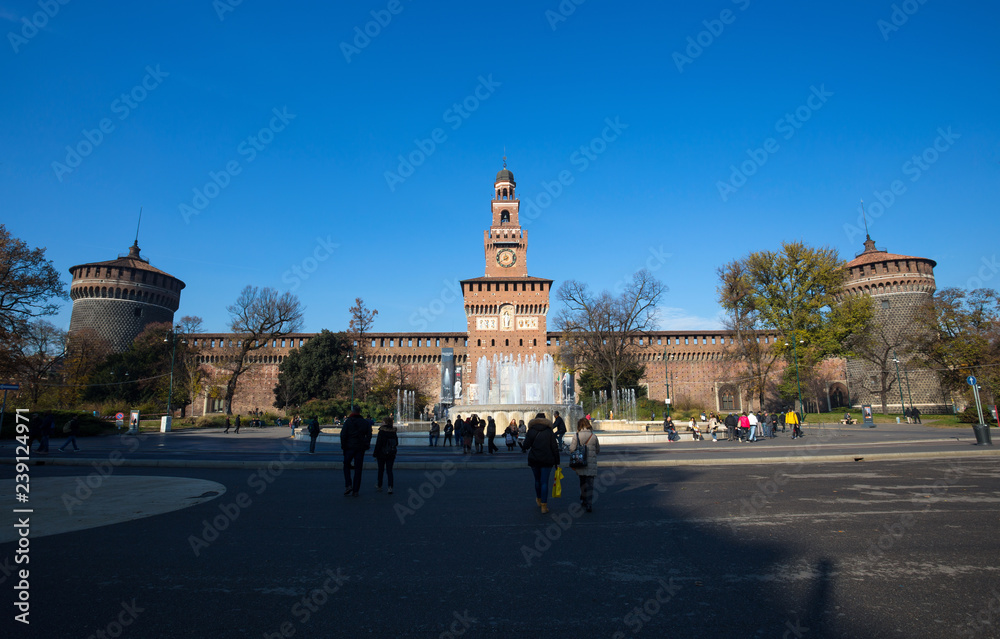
x=506 y=311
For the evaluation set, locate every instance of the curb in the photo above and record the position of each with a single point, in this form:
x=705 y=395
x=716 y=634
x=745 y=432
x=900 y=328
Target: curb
x=655 y=463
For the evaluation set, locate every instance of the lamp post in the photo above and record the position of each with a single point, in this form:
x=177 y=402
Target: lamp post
x=899 y=382
x=666 y=380
x=354 y=362
x=172 y=338
x=909 y=395
x=795 y=354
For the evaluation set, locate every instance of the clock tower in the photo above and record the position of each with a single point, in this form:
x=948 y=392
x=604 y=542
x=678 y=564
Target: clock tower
x=506 y=308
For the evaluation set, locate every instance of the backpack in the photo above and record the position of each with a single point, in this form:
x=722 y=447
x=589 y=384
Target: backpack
x=389 y=447
x=578 y=458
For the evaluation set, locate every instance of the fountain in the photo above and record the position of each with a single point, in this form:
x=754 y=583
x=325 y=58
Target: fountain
x=507 y=388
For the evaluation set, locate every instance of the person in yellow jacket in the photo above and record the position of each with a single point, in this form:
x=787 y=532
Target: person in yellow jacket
x=792 y=419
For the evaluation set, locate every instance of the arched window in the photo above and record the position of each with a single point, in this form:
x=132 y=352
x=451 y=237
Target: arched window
x=728 y=400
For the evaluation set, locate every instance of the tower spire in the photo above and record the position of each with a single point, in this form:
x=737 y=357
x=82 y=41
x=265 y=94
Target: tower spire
x=869 y=242
x=134 y=249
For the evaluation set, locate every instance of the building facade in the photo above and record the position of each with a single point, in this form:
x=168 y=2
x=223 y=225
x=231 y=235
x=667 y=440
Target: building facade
x=899 y=285
x=115 y=300
x=507 y=310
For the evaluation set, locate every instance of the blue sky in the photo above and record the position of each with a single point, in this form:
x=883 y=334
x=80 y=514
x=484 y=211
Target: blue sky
x=737 y=125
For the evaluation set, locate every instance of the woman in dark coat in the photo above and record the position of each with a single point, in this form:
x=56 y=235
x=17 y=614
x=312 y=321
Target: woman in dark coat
x=480 y=435
x=543 y=455
x=386 y=445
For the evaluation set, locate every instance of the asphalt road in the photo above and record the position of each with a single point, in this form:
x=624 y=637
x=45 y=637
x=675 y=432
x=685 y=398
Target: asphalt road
x=885 y=549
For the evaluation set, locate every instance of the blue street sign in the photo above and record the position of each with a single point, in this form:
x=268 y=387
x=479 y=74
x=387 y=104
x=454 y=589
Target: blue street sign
x=8 y=387
x=971 y=380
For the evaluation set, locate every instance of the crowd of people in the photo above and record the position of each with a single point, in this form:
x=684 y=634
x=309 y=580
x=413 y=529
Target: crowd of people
x=748 y=426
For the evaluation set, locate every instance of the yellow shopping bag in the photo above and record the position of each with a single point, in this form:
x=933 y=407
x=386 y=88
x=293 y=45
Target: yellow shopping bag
x=557 y=483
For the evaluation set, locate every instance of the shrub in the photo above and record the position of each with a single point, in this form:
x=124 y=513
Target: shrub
x=971 y=416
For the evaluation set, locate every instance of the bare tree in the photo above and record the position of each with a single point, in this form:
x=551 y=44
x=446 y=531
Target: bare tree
x=39 y=350
x=747 y=345
x=599 y=331
x=194 y=373
x=362 y=321
x=878 y=344
x=29 y=284
x=259 y=316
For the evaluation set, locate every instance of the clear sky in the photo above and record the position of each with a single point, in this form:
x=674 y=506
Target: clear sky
x=736 y=125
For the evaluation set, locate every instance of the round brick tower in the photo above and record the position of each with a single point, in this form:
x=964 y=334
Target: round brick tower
x=117 y=299
x=899 y=286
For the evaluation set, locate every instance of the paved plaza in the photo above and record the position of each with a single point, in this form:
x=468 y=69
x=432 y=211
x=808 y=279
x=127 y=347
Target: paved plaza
x=724 y=546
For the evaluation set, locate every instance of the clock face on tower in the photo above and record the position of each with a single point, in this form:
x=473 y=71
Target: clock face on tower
x=506 y=258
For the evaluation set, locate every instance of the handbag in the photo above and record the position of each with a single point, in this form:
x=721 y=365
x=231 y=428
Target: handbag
x=557 y=484
x=578 y=458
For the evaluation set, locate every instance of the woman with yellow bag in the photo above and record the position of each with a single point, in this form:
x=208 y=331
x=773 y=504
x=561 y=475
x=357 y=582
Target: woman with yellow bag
x=543 y=455
x=583 y=451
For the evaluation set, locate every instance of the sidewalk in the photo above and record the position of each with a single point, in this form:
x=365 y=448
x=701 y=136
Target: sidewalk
x=261 y=447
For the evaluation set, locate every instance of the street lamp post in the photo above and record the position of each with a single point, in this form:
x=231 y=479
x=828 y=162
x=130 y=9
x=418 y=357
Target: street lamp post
x=795 y=354
x=354 y=362
x=666 y=380
x=172 y=338
x=899 y=382
x=909 y=395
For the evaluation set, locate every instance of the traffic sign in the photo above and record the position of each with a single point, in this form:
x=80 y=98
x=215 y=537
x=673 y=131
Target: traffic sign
x=971 y=380
x=119 y=416
x=7 y=387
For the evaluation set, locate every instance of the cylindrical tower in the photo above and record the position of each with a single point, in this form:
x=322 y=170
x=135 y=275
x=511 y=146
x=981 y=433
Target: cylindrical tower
x=899 y=285
x=117 y=299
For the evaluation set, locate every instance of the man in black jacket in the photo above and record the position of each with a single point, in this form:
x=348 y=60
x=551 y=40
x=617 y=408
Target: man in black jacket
x=355 y=439
x=543 y=454
x=560 y=429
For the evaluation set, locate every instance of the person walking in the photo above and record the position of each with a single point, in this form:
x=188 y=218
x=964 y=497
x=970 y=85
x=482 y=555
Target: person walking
x=48 y=430
x=774 y=425
x=522 y=433
x=543 y=455
x=478 y=430
x=448 y=430
x=586 y=438
x=460 y=433
x=313 y=434
x=73 y=428
x=731 y=424
x=713 y=426
x=792 y=419
x=744 y=427
x=227 y=425
x=916 y=415
x=752 y=422
x=237 y=424
x=560 y=426
x=509 y=438
x=386 y=445
x=355 y=439
x=435 y=433
x=491 y=433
